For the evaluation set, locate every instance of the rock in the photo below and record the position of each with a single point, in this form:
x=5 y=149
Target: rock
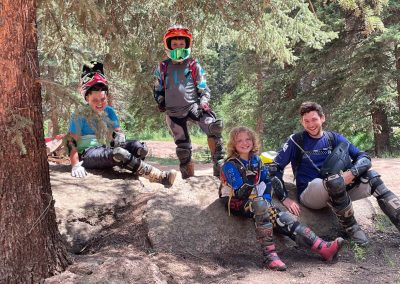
x=112 y=268
x=190 y=219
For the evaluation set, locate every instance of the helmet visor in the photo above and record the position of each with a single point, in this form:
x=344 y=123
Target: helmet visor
x=179 y=53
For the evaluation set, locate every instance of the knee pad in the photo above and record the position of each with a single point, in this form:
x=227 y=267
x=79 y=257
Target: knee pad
x=374 y=179
x=337 y=191
x=142 y=151
x=286 y=223
x=121 y=155
x=137 y=148
x=216 y=127
x=259 y=206
x=184 y=155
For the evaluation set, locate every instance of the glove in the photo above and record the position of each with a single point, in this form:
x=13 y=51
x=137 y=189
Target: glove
x=205 y=107
x=119 y=139
x=78 y=170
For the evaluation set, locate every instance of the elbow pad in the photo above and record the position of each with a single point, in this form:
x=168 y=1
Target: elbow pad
x=361 y=166
x=279 y=188
x=273 y=169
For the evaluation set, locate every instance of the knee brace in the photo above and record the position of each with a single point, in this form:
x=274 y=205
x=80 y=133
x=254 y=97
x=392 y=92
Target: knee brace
x=137 y=148
x=184 y=155
x=124 y=157
x=387 y=200
x=216 y=128
x=259 y=206
x=286 y=223
x=337 y=191
x=374 y=179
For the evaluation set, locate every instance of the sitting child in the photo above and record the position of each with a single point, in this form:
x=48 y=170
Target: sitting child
x=249 y=195
x=95 y=140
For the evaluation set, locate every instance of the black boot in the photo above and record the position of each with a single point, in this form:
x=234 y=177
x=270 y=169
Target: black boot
x=390 y=205
x=343 y=208
x=350 y=225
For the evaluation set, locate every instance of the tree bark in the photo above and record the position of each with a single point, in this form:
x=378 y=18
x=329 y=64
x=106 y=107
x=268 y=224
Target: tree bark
x=31 y=247
x=380 y=123
x=397 y=55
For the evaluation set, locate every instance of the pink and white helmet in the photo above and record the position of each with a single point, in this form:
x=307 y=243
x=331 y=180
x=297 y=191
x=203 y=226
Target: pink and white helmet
x=92 y=76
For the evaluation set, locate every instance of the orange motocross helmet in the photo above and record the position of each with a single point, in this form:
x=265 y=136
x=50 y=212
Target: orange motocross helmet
x=178 y=31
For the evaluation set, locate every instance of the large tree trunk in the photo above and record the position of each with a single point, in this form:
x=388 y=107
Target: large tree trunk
x=31 y=247
x=379 y=122
x=397 y=54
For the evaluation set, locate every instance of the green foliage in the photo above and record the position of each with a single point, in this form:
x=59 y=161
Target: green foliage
x=263 y=59
x=359 y=251
x=383 y=223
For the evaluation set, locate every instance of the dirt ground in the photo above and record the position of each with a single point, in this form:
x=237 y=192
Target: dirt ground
x=121 y=251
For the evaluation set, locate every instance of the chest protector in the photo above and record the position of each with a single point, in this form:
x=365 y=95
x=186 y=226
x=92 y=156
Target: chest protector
x=250 y=176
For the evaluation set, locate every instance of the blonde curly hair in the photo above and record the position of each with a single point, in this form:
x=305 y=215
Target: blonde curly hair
x=231 y=150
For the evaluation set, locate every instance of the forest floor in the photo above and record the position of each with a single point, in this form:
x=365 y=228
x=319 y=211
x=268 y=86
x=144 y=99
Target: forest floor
x=120 y=229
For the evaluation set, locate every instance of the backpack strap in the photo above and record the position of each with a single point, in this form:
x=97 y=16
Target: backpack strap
x=298 y=140
x=193 y=70
x=163 y=71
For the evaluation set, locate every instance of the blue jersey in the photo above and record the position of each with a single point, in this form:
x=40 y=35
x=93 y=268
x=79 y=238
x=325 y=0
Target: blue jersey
x=86 y=130
x=318 y=150
x=235 y=180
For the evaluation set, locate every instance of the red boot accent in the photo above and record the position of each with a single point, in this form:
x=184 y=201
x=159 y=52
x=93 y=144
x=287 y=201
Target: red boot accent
x=328 y=250
x=272 y=260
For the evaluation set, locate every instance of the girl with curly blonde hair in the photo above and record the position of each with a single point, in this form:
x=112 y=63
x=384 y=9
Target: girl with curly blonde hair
x=249 y=194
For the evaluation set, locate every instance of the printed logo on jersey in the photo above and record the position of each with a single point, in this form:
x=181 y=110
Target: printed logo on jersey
x=285 y=146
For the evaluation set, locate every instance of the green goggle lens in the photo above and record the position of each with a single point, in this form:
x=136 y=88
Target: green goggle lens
x=180 y=53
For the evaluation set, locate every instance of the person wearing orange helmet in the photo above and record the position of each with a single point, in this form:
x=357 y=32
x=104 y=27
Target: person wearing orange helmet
x=95 y=139
x=181 y=91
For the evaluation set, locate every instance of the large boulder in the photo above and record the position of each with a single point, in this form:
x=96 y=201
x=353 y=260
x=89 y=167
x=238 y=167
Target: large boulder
x=190 y=218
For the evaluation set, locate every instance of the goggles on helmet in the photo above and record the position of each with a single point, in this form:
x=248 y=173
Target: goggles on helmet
x=90 y=80
x=179 y=54
x=177 y=31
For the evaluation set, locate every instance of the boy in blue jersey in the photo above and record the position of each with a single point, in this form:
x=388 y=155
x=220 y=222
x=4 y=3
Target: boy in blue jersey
x=95 y=137
x=314 y=149
x=181 y=91
x=247 y=192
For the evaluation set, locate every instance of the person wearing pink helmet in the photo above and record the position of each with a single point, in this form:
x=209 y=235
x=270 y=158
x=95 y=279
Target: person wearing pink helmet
x=95 y=139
